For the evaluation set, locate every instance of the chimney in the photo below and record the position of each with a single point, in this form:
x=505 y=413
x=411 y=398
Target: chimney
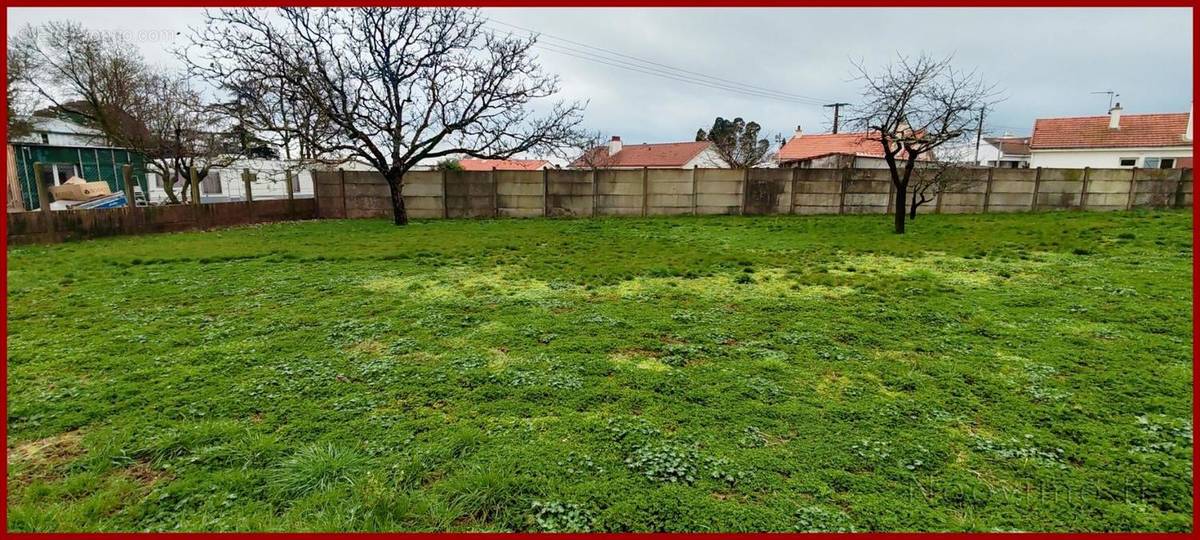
x=799 y=132
x=1114 y=117
x=1188 y=134
x=614 y=145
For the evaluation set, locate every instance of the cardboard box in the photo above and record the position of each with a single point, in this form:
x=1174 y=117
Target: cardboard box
x=78 y=189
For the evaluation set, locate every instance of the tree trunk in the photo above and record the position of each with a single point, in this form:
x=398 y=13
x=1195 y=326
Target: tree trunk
x=912 y=209
x=396 y=185
x=901 y=204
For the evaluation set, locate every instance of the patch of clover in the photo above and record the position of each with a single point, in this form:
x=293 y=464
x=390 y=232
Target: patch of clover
x=1039 y=376
x=1018 y=450
x=581 y=464
x=873 y=452
x=555 y=516
x=764 y=389
x=753 y=438
x=665 y=462
x=468 y=362
x=625 y=430
x=820 y=519
x=1161 y=434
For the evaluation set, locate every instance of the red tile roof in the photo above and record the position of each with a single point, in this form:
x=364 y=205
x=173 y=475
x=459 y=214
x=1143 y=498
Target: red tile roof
x=804 y=147
x=502 y=164
x=645 y=155
x=1093 y=132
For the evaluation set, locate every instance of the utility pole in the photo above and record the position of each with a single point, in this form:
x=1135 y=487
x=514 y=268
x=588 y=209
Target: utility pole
x=837 y=107
x=979 y=134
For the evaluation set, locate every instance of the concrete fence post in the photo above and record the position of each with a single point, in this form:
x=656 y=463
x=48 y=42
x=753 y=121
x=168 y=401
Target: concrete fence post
x=891 y=201
x=495 y=193
x=593 y=192
x=1132 y=189
x=195 y=185
x=695 y=193
x=1037 y=186
x=645 y=191
x=42 y=191
x=445 y=195
x=545 y=193
x=987 y=190
x=795 y=186
x=342 y=192
x=1083 y=190
x=937 y=208
x=843 y=185
x=745 y=190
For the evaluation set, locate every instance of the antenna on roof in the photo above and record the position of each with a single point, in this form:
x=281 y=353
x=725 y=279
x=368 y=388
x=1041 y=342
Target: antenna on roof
x=1111 y=95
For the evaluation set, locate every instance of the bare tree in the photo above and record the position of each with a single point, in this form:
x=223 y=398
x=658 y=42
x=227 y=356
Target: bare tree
x=737 y=142
x=396 y=85
x=19 y=95
x=914 y=106
x=100 y=81
x=946 y=171
x=591 y=149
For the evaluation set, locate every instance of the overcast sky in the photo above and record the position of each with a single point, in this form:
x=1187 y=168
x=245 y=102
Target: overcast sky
x=1046 y=61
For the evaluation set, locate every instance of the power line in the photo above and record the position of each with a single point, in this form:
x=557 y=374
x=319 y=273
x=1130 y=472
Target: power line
x=688 y=73
x=632 y=67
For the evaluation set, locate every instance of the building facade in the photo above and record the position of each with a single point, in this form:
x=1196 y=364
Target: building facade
x=1149 y=141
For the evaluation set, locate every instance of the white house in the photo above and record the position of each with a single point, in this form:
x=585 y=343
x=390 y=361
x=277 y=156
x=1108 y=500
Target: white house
x=1007 y=152
x=225 y=184
x=680 y=155
x=1151 y=141
x=58 y=132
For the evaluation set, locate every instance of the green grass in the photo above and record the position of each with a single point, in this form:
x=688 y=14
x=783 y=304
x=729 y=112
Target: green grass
x=1015 y=372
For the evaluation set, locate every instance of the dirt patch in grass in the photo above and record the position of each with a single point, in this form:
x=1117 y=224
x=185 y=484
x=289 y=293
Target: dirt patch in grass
x=43 y=458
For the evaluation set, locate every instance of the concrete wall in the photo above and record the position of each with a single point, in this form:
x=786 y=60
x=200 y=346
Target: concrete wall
x=655 y=192
x=1102 y=158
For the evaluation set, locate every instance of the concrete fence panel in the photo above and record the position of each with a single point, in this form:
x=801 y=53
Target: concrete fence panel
x=619 y=192
x=769 y=191
x=818 y=191
x=569 y=193
x=519 y=193
x=470 y=194
x=719 y=191
x=669 y=192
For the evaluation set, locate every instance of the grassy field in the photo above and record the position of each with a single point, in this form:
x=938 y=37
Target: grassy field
x=1016 y=372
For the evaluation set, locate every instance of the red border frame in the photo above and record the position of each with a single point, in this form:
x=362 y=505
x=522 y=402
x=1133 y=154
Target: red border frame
x=592 y=3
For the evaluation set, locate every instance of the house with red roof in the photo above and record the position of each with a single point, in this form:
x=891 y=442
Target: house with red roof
x=831 y=151
x=680 y=155
x=472 y=164
x=1150 y=141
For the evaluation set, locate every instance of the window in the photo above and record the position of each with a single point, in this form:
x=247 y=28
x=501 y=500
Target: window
x=45 y=138
x=1128 y=162
x=1150 y=163
x=295 y=183
x=211 y=183
x=1166 y=163
x=54 y=174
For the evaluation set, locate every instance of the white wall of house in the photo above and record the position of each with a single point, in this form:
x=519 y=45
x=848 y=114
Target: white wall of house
x=1103 y=158
x=707 y=159
x=58 y=132
x=225 y=184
